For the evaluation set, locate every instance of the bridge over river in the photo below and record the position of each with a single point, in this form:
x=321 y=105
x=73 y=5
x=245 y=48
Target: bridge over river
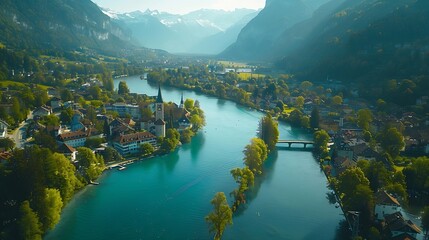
x=290 y=142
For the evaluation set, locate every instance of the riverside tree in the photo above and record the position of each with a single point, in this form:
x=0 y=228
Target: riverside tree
x=28 y=224
x=255 y=154
x=221 y=216
x=91 y=164
x=245 y=178
x=270 y=131
x=321 y=140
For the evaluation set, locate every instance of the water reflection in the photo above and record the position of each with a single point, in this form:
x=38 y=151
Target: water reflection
x=269 y=166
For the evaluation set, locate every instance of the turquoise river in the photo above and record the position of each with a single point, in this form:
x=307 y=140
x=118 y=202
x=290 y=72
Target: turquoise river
x=167 y=197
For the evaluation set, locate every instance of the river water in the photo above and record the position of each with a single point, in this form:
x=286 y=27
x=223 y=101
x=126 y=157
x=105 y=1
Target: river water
x=167 y=197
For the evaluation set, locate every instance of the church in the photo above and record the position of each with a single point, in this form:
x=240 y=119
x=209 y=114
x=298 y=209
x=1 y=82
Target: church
x=168 y=115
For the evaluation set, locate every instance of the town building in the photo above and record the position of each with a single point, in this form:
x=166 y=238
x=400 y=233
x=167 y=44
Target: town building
x=398 y=226
x=130 y=143
x=125 y=110
x=385 y=204
x=3 y=129
x=159 y=115
x=42 y=111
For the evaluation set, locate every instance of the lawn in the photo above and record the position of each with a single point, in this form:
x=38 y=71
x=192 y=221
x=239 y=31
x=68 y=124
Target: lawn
x=9 y=83
x=247 y=76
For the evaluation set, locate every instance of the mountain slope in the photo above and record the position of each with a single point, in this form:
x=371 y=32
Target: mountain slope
x=216 y=43
x=277 y=16
x=59 y=24
x=368 y=40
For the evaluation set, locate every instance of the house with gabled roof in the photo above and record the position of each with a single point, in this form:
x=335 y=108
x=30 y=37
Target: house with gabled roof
x=42 y=111
x=397 y=226
x=385 y=204
x=73 y=139
x=68 y=151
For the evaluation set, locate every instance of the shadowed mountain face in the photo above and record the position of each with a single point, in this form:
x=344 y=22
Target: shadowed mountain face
x=203 y=31
x=363 y=40
x=260 y=34
x=368 y=40
x=58 y=24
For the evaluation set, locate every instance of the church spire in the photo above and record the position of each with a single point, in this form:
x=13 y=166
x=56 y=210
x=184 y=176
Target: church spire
x=159 y=98
x=181 y=102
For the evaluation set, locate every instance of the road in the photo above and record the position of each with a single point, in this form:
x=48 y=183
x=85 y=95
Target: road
x=19 y=135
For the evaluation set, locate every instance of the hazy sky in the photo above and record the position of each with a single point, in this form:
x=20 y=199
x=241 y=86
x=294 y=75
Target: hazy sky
x=178 y=6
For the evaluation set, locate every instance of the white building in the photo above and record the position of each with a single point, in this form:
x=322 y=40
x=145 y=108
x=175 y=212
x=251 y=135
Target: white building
x=73 y=139
x=3 y=129
x=124 y=109
x=130 y=143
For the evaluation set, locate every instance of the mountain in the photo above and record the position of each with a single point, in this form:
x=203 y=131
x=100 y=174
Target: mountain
x=59 y=24
x=277 y=16
x=214 y=44
x=179 y=33
x=368 y=40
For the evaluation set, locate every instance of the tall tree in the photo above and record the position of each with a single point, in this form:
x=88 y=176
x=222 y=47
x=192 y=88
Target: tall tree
x=321 y=140
x=255 y=154
x=364 y=118
x=315 y=118
x=123 y=88
x=50 y=208
x=221 y=216
x=270 y=131
x=29 y=225
x=392 y=142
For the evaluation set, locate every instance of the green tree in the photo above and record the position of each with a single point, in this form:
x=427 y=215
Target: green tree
x=50 y=209
x=315 y=118
x=376 y=173
x=221 y=216
x=111 y=155
x=147 y=149
x=270 y=131
x=321 y=140
x=299 y=102
x=7 y=143
x=66 y=115
x=255 y=154
x=91 y=164
x=364 y=118
x=66 y=95
x=392 y=142
x=123 y=88
x=60 y=174
x=197 y=122
x=51 y=120
x=189 y=104
x=356 y=193
x=337 y=100
x=28 y=223
x=186 y=135
x=350 y=179
x=244 y=177
x=93 y=142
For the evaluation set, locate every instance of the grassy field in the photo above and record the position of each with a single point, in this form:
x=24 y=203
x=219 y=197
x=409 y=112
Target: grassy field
x=229 y=64
x=19 y=84
x=247 y=76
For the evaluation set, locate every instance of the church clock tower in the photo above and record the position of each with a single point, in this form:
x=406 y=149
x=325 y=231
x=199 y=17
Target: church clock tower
x=159 y=105
x=159 y=115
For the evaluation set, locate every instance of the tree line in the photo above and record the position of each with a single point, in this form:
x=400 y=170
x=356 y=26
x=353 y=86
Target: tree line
x=255 y=154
